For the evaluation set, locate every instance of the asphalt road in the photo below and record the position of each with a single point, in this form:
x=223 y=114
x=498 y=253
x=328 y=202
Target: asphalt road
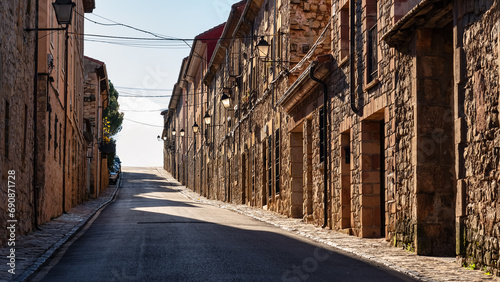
x=151 y=232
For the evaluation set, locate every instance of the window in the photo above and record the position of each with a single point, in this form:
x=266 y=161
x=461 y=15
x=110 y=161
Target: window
x=277 y=160
x=254 y=74
x=269 y=166
x=401 y=7
x=279 y=51
x=50 y=126
x=7 y=125
x=321 y=135
x=55 y=137
x=253 y=170
x=371 y=46
x=25 y=130
x=372 y=67
x=60 y=134
x=264 y=171
x=235 y=59
x=344 y=31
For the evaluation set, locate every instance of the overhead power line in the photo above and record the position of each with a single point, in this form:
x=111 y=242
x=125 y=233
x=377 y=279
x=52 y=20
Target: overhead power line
x=142 y=111
x=140 y=96
x=140 y=45
x=148 y=89
x=114 y=23
x=142 y=123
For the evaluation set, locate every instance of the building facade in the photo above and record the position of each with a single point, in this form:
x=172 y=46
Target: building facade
x=96 y=92
x=61 y=168
x=17 y=70
x=42 y=127
x=377 y=118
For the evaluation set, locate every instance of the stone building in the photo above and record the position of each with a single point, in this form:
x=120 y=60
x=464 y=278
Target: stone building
x=186 y=108
x=17 y=70
x=96 y=92
x=42 y=137
x=61 y=167
x=237 y=157
x=377 y=118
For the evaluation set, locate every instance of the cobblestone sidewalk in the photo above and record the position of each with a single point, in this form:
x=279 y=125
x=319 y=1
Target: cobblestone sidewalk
x=34 y=249
x=424 y=268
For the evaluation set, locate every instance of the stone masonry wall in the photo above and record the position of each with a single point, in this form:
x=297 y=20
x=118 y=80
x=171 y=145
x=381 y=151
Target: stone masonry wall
x=400 y=173
x=480 y=80
x=387 y=99
x=16 y=116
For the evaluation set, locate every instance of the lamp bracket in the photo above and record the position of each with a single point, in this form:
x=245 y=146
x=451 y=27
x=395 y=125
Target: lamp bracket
x=45 y=29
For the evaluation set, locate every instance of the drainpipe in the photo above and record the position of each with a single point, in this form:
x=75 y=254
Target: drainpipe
x=35 y=121
x=325 y=144
x=65 y=138
x=273 y=54
x=352 y=52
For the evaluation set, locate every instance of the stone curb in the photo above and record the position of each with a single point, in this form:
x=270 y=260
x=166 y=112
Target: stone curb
x=57 y=245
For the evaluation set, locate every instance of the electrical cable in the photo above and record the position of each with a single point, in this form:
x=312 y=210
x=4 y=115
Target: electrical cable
x=138 y=96
x=142 y=111
x=142 y=123
x=139 y=45
x=148 y=89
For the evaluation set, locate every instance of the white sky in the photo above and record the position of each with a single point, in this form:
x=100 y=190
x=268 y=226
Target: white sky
x=150 y=68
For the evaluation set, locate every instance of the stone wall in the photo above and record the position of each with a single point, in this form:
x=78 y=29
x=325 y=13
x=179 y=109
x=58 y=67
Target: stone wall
x=478 y=41
x=17 y=71
x=400 y=172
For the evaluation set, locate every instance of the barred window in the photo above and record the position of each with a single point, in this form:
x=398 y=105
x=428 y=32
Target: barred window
x=253 y=170
x=269 y=166
x=321 y=135
x=277 y=159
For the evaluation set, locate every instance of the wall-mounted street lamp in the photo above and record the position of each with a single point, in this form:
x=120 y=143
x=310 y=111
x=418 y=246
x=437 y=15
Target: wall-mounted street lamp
x=263 y=50
x=226 y=100
x=195 y=127
x=182 y=133
x=64 y=12
x=207 y=118
x=161 y=139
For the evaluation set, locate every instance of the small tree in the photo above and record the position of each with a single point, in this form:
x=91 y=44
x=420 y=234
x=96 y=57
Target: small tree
x=112 y=117
x=112 y=121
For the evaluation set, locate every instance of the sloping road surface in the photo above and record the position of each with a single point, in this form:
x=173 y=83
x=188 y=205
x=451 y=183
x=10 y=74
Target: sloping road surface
x=151 y=232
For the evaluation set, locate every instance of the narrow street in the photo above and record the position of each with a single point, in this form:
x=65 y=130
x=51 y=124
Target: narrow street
x=152 y=232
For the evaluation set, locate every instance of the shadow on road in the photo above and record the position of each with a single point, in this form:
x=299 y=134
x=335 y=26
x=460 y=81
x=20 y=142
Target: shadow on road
x=154 y=234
